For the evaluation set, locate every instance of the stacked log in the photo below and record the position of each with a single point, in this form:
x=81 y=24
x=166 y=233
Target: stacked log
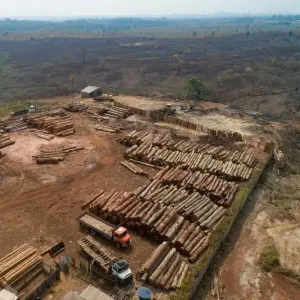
x=56 y=122
x=76 y=107
x=44 y=134
x=5 y=141
x=216 y=152
x=95 y=116
x=134 y=168
x=165 y=268
x=54 y=156
x=17 y=263
x=108 y=128
x=12 y=125
x=116 y=112
x=97 y=252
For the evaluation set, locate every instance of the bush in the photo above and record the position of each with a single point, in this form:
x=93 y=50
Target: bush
x=195 y=90
x=269 y=258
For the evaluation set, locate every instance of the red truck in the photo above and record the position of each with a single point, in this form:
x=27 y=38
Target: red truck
x=117 y=234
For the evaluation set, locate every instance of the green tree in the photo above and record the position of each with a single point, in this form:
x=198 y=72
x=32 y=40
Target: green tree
x=4 y=67
x=196 y=89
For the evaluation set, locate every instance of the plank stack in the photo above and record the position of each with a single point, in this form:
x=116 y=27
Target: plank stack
x=54 y=156
x=56 y=122
x=97 y=252
x=5 y=141
x=76 y=107
x=17 y=263
x=165 y=268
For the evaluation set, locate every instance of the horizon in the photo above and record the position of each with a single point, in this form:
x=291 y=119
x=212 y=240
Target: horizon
x=134 y=8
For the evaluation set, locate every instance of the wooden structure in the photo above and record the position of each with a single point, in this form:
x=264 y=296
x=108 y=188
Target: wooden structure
x=91 y=92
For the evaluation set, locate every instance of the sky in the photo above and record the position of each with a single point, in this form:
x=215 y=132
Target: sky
x=60 y=8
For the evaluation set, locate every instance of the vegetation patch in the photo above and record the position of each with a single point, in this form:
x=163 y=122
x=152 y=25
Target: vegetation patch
x=269 y=258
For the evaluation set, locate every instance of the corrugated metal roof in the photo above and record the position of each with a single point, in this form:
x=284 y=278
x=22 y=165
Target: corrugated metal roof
x=7 y=295
x=92 y=293
x=89 y=89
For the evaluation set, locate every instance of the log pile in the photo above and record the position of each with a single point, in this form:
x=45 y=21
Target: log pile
x=182 y=148
x=134 y=168
x=205 y=162
x=116 y=112
x=56 y=122
x=12 y=125
x=95 y=116
x=54 y=156
x=165 y=223
x=165 y=268
x=5 y=141
x=221 y=190
x=17 y=263
x=109 y=128
x=97 y=252
x=76 y=107
x=44 y=134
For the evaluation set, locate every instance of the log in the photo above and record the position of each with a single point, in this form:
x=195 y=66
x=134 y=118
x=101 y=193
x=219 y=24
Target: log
x=174 y=228
x=183 y=274
x=87 y=203
x=162 y=266
x=170 y=270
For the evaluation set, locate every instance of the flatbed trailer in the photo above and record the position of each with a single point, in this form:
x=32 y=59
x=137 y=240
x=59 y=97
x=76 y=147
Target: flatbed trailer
x=117 y=234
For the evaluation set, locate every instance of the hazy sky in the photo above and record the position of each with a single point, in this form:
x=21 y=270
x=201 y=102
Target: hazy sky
x=9 y=8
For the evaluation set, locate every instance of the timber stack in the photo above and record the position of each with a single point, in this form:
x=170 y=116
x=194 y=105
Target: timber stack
x=165 y=223
x=95 y=116
x=17 y=263
x=97 y=252
x=165 y=268
x=56 y=122
x=167 y=147
x=12 y=125
x=5 y=141
x=76 y=107
x=134 y=168
x=44 y=134
x=109 y=128
x=116 y=112
x=54 y=156
x=221 y=190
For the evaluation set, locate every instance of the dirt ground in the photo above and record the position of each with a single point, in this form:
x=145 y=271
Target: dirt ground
x=40 y=203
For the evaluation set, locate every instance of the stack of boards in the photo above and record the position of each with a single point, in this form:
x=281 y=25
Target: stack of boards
x=18 y=263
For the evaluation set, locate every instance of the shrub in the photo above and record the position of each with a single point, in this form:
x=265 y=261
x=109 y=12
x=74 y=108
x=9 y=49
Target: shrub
x=269 y=258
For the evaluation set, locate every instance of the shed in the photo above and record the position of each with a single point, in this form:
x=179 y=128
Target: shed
x=91 y=91
x=92 y=293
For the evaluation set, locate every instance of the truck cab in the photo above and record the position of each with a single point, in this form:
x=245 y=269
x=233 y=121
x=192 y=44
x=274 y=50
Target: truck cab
x=121 y=236
x=121 y=270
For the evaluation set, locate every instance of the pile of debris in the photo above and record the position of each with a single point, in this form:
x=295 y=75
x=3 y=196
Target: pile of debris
x=116 y=112
x=5 y=141
x=17 y=263
x=56 y=122
x=133 y=168
x=76 y=107
x=54 y=156
x=12 y=125
x=165 y=268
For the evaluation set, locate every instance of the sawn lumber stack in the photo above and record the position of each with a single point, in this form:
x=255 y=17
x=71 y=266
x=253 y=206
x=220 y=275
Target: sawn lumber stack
x=97 y=252
x=17 y=263
x=165 y=268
